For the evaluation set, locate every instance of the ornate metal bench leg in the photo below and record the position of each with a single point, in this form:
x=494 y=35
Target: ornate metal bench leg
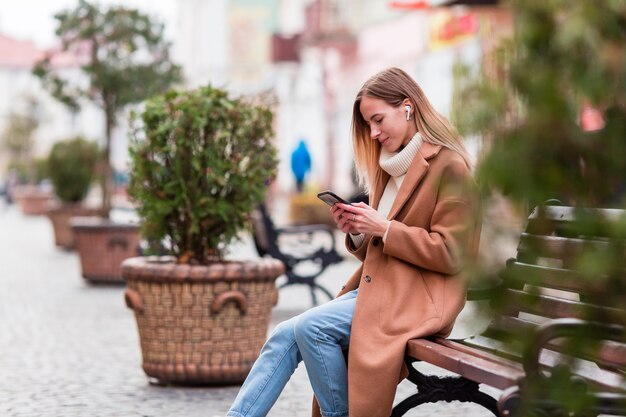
x=432 y=388
x=313 y=296
x=314 y=286
x=325 y=291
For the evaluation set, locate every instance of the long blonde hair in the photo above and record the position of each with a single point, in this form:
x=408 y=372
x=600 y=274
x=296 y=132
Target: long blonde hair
x=393 y=85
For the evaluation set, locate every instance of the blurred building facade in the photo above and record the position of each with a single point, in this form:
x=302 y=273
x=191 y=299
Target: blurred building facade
x=345 y=42
x=22 y=93
x=312 y=55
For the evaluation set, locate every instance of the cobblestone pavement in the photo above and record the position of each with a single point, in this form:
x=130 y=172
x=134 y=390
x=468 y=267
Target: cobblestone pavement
x=68 y=348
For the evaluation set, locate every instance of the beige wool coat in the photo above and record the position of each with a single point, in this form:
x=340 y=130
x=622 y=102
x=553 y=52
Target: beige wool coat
x=414 y=284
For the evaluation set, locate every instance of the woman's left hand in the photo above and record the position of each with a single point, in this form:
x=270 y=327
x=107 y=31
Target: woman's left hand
x=365 y=219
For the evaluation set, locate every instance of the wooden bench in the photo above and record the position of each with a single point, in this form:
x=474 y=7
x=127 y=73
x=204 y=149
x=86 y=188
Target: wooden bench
x=540 y=328
x=306 y=250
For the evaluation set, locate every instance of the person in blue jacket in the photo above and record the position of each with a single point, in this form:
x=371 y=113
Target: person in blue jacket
x=300 y=164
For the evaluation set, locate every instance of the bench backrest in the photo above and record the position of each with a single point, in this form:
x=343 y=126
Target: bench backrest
x=555 y=275
x=264 y=233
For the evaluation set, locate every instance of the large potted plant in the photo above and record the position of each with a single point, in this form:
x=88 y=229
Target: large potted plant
x=71 y=165
x=124 y=60
x=200 y=164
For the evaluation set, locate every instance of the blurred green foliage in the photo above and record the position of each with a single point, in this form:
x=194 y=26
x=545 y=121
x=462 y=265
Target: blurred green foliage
x=201 y=161
x=18 y=143
x=564 y=56
x=565 y=62
x=71 y=165
x=124 y=58
x=41 y=170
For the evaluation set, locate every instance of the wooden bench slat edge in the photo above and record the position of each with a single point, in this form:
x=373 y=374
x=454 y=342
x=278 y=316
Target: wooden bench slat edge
x=472 y=367
x=609 y=355
x=488 y=368
x=554 y=307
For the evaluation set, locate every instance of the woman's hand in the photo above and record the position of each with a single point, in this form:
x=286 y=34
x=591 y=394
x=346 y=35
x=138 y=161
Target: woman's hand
x=359 y=218
x=342 y=218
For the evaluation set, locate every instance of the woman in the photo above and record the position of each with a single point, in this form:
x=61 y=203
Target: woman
x=413 y=241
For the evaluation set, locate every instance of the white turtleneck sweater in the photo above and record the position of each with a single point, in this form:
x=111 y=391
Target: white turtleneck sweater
x=396 y=164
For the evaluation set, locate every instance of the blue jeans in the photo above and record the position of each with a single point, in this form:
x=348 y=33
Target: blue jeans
x=316 y=336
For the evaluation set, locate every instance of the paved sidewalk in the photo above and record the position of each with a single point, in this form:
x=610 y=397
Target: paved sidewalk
x=68 y=348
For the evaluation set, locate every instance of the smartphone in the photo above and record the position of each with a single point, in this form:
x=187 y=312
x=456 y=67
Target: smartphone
x=331 y=198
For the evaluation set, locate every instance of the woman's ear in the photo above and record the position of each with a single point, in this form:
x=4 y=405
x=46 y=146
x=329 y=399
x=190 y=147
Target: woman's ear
x=408 y=108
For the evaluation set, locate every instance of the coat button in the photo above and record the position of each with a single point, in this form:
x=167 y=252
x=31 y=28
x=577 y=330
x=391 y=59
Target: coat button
x=367 y=278
x=375 y=241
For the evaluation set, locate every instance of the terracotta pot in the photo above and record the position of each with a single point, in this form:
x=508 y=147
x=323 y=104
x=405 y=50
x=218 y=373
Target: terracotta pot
x=33 y=201
x=201 y=324
x=60 y=217
x=102 y=246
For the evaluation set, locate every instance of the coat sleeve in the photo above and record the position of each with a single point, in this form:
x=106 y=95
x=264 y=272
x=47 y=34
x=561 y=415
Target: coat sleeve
x=448 y=243
x=359 y=252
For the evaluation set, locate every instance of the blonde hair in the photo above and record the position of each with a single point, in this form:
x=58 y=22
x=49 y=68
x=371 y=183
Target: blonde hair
x=393 y=85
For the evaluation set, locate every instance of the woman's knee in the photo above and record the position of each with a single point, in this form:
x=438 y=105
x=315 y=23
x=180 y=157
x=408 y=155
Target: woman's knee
x=307 y=328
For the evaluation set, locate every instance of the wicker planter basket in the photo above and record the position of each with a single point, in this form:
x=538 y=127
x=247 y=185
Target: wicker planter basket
x=102 y=246
x=201 y=324
x=60 y=217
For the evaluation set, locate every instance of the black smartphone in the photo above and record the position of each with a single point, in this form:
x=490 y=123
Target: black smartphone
x=331 y=198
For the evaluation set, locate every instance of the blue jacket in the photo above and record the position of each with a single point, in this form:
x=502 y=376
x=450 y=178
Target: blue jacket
x=300 y=161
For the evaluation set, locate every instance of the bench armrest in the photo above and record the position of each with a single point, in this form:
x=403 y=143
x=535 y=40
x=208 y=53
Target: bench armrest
x=557 y=328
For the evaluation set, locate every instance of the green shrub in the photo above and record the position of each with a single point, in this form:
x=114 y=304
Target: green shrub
x=200 y=162
x=71 y=168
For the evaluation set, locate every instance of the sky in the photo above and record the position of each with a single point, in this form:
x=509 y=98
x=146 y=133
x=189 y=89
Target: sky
x=34 y=19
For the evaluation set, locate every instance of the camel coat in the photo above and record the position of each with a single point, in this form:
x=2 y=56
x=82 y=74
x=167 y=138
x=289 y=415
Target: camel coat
x=413 y=285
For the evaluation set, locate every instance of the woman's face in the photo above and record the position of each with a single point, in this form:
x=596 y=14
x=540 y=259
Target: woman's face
x=388 y=124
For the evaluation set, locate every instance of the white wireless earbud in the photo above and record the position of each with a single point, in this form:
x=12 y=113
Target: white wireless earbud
x=408 y=112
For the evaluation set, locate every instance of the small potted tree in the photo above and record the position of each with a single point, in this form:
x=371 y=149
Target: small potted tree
x=200 y=165
x=71 y=169
x=124 y=60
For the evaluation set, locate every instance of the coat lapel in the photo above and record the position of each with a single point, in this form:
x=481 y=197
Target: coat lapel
x=414 y=176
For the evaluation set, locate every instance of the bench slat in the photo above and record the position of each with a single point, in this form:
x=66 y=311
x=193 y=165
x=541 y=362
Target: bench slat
x=568 y=214
x=555 y=307
x=556 y=278
x=565 y=249
x=608 y=354
x=560 y=221
x=473 y=367
x=483 y=347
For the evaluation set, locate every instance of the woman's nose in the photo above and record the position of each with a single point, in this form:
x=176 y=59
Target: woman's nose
x=374 y=132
